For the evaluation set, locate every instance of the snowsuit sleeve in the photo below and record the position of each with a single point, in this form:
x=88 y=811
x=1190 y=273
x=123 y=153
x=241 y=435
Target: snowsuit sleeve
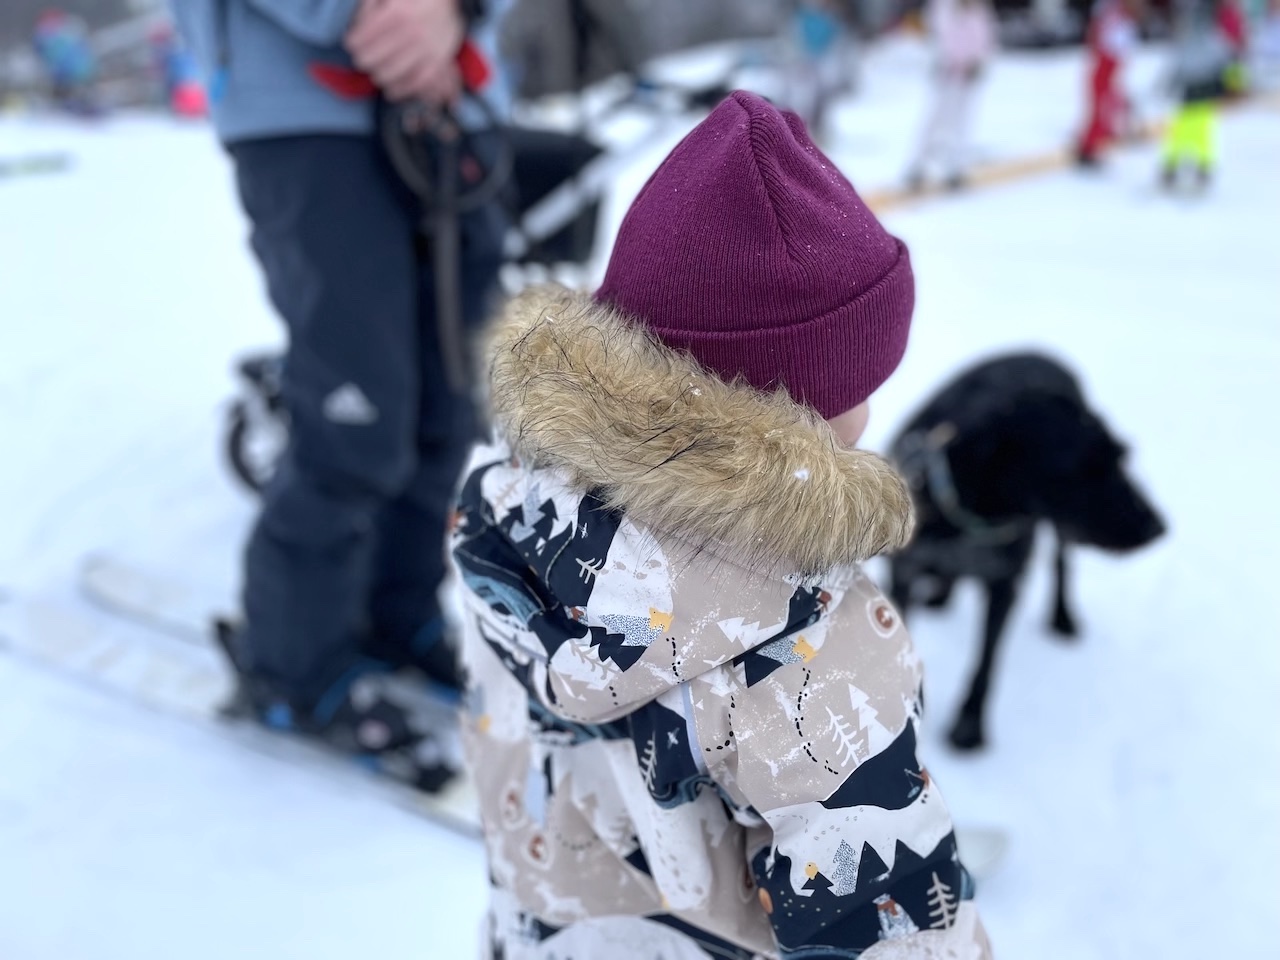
x=818 y=734
x=903 y=905
x=320 y=23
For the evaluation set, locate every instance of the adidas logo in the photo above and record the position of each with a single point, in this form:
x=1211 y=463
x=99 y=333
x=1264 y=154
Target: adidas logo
x=350 y=406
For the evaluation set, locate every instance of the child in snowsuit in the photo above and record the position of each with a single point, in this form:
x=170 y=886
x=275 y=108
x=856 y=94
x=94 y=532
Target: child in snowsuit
x=1202 y=59
x=964 y=34
x=1112 y=36
x=61 y=42
x=693 y=718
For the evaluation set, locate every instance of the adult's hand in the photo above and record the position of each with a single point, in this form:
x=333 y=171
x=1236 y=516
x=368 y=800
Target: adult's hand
x=408 y=47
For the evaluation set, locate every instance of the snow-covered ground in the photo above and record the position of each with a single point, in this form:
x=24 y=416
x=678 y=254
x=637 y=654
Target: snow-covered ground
x=1136 y=771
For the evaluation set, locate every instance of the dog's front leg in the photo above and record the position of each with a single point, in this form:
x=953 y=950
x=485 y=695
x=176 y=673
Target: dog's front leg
x=967 y=732
x=1062 y=622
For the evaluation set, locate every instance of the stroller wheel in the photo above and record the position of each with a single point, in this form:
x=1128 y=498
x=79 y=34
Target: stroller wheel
x=255 y=442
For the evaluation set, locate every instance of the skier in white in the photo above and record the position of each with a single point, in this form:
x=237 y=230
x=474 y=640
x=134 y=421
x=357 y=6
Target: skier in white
x=964 y=35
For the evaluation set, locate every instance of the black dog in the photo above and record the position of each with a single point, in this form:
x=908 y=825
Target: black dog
x=1006 y=445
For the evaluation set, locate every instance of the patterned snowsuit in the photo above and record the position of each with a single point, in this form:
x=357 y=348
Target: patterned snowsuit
x=693 y=719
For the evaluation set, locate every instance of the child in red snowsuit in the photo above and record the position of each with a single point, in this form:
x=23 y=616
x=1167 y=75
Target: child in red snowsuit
x=1113 y=33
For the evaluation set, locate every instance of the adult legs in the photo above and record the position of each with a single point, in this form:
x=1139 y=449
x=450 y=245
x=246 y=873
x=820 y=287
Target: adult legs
x=335 y=238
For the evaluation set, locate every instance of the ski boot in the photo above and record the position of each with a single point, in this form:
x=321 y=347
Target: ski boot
x=1087 y=159
x=392 y=722
x=257 y=430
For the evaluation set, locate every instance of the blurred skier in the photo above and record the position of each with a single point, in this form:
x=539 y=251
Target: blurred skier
x=818 y=71
x=1234 y=26
x=1205 y=50
x=1266 y=42
x=344 y=564
x=61 y=43
x=177 y=73
x=1111 y=38
x=964 y=34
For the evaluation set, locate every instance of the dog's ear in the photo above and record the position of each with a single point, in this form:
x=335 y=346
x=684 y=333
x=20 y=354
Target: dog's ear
x=1042 y=446
x=1088 y=494
x=1075 y=443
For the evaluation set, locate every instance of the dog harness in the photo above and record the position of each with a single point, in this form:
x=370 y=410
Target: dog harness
x=922 y=458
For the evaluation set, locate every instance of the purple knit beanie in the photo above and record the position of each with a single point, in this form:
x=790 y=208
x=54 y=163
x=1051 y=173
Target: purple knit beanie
x=749 y=249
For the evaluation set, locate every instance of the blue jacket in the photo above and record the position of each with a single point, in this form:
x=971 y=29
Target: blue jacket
x=256 y=55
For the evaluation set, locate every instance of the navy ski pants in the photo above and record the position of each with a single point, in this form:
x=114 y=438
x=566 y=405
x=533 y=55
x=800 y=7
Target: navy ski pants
x=348 y=554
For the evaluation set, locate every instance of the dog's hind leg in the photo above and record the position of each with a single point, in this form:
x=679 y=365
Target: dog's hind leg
x=967 y=733
x=1062 y=623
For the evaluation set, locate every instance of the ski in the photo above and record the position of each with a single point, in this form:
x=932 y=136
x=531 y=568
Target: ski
x=34 y=163
x=153 y=657
x=150 y=600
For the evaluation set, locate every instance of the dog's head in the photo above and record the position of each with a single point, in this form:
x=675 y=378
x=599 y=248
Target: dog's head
x=1081 y=484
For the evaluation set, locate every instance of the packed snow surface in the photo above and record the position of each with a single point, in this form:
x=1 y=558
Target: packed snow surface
x=1136 y=771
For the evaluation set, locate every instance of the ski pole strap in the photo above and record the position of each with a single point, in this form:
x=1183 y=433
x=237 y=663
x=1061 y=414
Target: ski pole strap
x=484 y=155
x=424 y=143
x=447 y=261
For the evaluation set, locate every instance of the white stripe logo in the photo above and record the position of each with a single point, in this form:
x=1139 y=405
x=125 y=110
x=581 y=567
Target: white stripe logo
x=348 y=405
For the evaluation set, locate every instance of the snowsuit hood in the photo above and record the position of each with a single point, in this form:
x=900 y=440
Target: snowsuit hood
x=691 y=717
x=723 y=469
x=576 y=386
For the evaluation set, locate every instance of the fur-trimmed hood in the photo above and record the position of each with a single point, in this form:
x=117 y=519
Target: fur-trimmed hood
x=576 y=386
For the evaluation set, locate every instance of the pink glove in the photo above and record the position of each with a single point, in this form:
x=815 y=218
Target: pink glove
x=408 y=47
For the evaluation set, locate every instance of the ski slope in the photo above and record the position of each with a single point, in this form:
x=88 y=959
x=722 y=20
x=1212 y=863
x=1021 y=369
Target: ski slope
x=1136 y=770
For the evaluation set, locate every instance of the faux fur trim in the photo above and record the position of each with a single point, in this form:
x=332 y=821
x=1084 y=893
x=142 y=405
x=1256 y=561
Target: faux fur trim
x=576 y=386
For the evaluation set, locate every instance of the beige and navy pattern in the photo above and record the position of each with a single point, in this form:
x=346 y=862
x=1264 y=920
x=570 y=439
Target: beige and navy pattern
x=693 y=732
